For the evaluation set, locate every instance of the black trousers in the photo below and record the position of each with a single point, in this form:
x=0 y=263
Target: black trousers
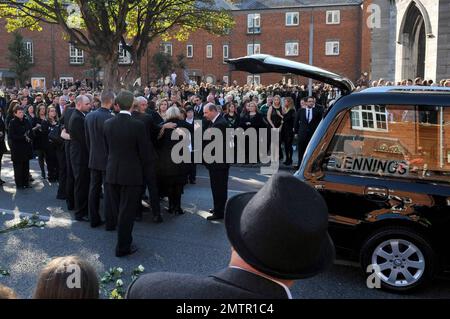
x=219 y=188
x=69 y=178
x=21 y=173
x=192 y=172
x=1 y=156
x=52 y=162
x=287 y=139
x=153 y=192
x=302 y=144
x=125 y=201
x=81 y=189
x=41 y=160
x=62 y=172
x=96 y=182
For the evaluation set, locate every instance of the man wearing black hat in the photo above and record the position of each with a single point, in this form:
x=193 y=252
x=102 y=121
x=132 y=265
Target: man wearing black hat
x=127 y=166
x=278 y=235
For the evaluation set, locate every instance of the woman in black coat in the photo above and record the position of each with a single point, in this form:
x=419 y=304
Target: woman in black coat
x=287 y=131
x=171 y=177
x=2 y=142
x=19 y=133
x=251 y=119
x=51 y=147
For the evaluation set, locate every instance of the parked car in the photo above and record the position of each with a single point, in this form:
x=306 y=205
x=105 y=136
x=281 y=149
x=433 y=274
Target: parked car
x=381 y=159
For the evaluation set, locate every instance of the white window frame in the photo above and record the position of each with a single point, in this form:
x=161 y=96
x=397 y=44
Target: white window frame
x=225 y=52
x=167 y=48
x=287 y=51
x=124 y=56
x=209 y=51
x=254 y=77
x=191 y=46
x=253 y=48
x=290 y=16
x=333 y=17
x=68 y=79
x=329 y=48
x=37 y=78
x=76 y=56
x=254 y=23
x=357 y=114
x=29 y=47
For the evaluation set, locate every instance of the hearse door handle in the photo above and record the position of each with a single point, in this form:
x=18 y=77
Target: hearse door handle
x=376 y=192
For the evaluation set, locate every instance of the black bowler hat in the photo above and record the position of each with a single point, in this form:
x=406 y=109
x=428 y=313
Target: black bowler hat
x=282 y=229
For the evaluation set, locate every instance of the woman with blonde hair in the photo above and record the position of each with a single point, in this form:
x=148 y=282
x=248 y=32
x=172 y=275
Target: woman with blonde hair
x=162 y=106
x=67 y=277
x=171 y=176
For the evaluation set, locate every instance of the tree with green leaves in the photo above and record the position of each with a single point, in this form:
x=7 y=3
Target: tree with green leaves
x=20 y=58
x=99 y=26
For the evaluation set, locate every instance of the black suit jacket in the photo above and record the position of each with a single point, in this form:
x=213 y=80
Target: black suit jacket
x=66 y=117
x=21 y=150
x=126 y=148
x=95 y=138
x=222 y=125
x=301 y=125
x=151 y=130
x=2 y=136
x=79 y=153
x=231 y=283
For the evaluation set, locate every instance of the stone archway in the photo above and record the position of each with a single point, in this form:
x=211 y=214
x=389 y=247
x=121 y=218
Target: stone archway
x=413 y=33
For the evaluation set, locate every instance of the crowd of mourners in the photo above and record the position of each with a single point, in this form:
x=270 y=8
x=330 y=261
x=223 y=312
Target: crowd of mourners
x=34 y=125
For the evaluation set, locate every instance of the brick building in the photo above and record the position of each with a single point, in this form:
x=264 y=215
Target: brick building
x=281 y=28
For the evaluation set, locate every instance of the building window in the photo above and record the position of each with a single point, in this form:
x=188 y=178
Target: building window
x=292 y=18
x=166 y=48
x=254 y=23
x=190 y=51
x=226 y=51
x=209 y=51
x=226 y=79
x=291 y=48
x=38 y=83
x=332 y=48
x=124 y=55
x=334 y=17
x=254 y=79
x=29 y=48
x=369 y=118
x=66 y=79
x=253 y=48
x=76 y=55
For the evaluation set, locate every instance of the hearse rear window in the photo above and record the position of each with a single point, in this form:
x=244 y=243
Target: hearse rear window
x=393 y=140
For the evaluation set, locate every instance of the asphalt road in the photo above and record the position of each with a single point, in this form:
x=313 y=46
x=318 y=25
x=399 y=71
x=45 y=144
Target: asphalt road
x=187 y=243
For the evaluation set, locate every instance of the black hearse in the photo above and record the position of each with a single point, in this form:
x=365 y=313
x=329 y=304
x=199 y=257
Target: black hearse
x=381 y=159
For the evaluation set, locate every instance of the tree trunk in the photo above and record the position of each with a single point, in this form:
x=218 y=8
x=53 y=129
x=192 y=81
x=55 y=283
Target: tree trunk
x=133 y=73
x=111 y=77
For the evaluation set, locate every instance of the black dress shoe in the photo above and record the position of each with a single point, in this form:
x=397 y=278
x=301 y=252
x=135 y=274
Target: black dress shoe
x=131 y=251
x=179 y=211
x=82 y=219
x=100 y=223
x=157 y=219
x=214 y=217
